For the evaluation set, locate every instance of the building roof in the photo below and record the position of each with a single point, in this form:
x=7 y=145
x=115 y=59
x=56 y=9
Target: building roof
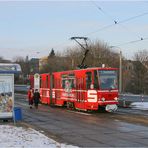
x=10 y=68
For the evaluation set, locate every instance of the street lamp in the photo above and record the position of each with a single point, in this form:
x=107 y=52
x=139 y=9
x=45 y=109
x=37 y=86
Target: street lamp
x=120 y=68
x=120 y=72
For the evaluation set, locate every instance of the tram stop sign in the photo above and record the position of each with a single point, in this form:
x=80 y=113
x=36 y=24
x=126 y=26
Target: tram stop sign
x=36 y=81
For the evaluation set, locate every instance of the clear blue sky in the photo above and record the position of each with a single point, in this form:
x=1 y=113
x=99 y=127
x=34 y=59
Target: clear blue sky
x=34 y=27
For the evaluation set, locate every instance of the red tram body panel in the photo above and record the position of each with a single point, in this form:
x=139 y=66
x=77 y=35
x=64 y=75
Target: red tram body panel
x=45 y=88
x=83 y=89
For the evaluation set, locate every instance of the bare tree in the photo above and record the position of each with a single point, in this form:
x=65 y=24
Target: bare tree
x=25 y=66
x=2 y=60
x=99 y=53
x=139 y=77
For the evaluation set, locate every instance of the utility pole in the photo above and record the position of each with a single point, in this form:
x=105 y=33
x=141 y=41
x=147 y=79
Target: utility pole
x=120 y=73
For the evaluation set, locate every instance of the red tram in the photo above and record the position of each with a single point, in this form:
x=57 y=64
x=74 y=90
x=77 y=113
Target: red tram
x=83 y=89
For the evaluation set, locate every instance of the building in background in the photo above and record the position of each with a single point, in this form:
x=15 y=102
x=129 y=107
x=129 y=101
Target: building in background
x=34 y=65
x=128 y=67
x=42 y=62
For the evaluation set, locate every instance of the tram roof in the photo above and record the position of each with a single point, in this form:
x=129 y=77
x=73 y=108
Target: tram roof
x=89 y=68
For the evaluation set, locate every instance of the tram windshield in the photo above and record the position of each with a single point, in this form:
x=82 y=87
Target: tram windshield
x=108 y=79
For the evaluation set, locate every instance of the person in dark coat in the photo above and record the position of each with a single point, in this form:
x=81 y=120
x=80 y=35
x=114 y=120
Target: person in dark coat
x=36 y=98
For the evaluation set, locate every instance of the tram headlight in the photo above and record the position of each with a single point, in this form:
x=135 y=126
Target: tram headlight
x=103 y=99
x=116 y=99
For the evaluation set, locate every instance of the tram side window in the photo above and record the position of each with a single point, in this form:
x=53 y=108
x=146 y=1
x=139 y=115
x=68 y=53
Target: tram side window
x=46 y=82
x=72 y=83
x=96 y=84
x=63 y=83
x=68 y=83
x=88 y=80
x=53 y=81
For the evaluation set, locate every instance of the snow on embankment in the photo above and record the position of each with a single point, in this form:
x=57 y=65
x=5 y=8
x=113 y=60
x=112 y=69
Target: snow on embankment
x=139 y=105
x=12 y=136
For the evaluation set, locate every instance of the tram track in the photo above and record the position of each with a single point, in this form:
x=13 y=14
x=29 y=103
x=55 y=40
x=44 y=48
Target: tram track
x=122 y=114
x=132 y=116
x=136 y=119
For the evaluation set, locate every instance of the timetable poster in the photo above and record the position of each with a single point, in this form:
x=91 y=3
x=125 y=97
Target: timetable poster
x=6 y=95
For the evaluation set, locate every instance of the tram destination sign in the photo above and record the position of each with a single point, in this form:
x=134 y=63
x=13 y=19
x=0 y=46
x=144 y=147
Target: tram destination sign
x=107 y=71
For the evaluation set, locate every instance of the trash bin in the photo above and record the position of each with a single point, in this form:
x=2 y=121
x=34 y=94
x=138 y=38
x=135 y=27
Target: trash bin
x=17 y=113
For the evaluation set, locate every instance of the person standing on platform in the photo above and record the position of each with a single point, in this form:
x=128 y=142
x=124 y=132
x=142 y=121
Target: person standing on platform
x=36 y=98
x=30 y=97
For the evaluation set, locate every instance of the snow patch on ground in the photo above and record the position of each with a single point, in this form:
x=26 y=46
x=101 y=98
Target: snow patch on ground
x=139 y=105
x=12 y=136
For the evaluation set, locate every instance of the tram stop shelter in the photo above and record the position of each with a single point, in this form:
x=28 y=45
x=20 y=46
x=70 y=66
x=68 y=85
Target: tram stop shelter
x=7 y=72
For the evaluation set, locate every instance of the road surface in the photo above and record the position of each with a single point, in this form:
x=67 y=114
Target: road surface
x=121 y=129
